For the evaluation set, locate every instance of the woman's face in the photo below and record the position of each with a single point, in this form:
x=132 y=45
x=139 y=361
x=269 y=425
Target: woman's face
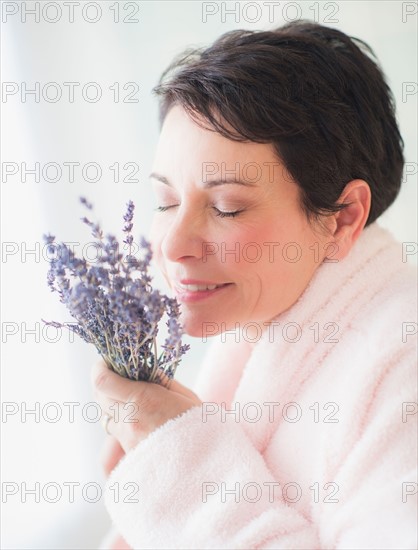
x=261 y=259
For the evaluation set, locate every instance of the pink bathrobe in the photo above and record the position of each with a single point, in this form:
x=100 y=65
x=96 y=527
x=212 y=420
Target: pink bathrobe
x=306 y=441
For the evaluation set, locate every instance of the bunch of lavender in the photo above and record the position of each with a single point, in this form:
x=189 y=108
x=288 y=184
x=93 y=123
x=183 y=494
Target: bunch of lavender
x=115 y=310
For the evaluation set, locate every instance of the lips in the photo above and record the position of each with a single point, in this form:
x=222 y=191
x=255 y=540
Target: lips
x=197 y=284
x=197 y=290
x=196 y=287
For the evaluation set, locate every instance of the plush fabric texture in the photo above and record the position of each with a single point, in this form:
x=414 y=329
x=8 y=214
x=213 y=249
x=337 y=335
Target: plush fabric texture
x=318 y=454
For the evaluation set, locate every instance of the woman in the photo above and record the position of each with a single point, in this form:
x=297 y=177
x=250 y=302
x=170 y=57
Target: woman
x=278 y=152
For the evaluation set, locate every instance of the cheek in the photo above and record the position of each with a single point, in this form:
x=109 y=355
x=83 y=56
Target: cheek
x=264 y=255
x=155 y=237
x=243 y=249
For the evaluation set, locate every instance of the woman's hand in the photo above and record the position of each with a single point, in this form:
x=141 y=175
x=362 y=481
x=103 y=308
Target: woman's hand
x=137 y=408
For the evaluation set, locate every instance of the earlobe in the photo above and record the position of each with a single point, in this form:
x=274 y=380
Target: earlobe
x=351 y=220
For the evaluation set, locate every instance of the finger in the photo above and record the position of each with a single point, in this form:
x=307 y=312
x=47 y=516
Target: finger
x=113 y=385
x=173 y=385
x=126 y=412
x=176 y=386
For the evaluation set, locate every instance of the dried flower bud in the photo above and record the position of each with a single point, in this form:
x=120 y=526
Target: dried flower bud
x=115 y=306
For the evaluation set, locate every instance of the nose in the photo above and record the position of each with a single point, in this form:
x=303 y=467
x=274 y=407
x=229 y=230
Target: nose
x=183 y=237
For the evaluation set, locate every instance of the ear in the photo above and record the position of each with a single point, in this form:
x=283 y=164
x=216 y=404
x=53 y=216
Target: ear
x=349 y=222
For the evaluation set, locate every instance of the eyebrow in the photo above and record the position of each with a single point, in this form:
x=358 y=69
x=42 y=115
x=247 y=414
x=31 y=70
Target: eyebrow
x=207 y=184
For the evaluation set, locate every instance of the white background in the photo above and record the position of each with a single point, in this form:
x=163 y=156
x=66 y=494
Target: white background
x=33 y=369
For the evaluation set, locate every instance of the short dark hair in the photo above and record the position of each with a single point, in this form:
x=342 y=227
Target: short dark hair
x=313 y=92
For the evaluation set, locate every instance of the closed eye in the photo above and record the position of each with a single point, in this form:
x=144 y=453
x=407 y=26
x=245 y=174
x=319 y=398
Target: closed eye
x=163 y=208
x=226 y=214
x=219 y=213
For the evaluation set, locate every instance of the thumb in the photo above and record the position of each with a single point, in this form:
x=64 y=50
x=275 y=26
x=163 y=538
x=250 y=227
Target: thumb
x=176 y=386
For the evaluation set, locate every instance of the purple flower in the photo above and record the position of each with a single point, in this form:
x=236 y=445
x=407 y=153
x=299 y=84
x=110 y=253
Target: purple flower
x=87 y=204
x=115 y=306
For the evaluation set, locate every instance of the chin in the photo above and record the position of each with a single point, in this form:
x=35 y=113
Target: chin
x=198 y=328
